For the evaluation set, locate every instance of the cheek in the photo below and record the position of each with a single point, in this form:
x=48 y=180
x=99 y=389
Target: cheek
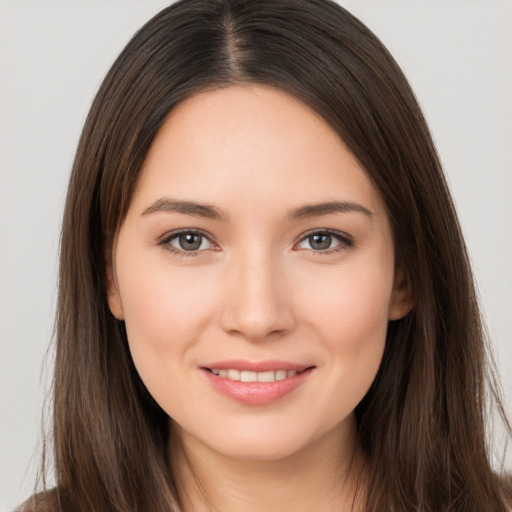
x=165 y=311
x=350 y=317
x=351 y=304
x=165 y=314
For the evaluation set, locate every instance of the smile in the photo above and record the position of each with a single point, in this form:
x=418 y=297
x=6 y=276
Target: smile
x=250 y=376
x=256 y=383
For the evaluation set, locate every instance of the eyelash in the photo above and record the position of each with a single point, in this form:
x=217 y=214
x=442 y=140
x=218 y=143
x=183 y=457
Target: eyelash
x=345 y=241
x=165 y=242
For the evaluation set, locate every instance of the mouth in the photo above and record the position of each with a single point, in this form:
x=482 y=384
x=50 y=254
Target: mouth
x=253 y=376
x=256 y=383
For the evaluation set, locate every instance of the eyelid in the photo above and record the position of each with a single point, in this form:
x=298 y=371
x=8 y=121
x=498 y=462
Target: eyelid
x=165 y=241
x=346 y=241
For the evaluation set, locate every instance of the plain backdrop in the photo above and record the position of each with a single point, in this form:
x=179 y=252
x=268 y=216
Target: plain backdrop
x=53 y=54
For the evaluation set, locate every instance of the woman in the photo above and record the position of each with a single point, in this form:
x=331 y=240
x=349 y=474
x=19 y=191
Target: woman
x=265 y=300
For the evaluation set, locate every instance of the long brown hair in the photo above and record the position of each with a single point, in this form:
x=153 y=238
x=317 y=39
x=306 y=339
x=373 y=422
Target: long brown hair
x=422 y=425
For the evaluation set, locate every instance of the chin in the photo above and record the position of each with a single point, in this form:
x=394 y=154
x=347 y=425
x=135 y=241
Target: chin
x=265 y=442
x=261 y=450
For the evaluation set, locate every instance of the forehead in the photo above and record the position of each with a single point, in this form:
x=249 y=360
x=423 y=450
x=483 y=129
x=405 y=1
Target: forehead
x=251 y=145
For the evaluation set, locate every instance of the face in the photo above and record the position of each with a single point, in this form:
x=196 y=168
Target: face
x=255 y=274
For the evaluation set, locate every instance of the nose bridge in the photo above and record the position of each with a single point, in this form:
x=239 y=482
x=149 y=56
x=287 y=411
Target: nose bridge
x=257 y=306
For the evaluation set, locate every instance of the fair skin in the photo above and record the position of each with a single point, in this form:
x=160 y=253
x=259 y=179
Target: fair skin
x=256 y=282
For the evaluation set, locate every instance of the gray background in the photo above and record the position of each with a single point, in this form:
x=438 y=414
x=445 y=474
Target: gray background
x=53 y=55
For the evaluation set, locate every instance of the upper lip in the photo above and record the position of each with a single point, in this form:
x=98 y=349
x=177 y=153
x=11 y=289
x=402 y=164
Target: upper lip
x=256 y=366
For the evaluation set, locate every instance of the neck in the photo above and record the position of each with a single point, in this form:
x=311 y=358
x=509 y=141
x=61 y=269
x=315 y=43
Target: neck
x=322 y=476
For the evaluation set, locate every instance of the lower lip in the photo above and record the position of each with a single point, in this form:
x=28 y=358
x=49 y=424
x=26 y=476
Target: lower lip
x=256 y=393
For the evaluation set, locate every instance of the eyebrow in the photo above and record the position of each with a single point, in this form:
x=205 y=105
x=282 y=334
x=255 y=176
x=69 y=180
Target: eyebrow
x=187 y=208
x=316 y=210
x=212 y=212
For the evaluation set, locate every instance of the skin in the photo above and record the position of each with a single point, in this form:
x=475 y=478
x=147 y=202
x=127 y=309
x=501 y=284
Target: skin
x=257 y=289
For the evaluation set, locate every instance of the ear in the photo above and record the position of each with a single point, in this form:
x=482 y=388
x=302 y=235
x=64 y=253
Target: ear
x=113 y=295
x=402 y=300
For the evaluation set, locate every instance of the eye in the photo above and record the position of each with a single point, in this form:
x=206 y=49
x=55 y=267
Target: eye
x=186 y=241
x=325 y=241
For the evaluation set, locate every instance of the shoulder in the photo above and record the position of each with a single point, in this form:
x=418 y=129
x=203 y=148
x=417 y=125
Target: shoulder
x=47 y=501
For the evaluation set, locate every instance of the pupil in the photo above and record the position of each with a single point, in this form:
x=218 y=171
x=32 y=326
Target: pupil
x=320 y=241
x=190 y=242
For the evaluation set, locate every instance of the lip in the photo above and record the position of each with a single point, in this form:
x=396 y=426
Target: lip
x=256 y=393
x=256 y=366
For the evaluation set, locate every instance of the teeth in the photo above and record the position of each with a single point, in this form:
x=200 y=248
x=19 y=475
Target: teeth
x=280 y=374
x=247 y=376
x=233 y=374
x=266 y=376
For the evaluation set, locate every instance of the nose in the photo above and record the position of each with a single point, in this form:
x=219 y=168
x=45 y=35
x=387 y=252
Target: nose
x=258 y=305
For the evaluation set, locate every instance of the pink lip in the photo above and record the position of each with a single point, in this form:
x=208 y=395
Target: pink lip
x=256 y=393
x=252 y=366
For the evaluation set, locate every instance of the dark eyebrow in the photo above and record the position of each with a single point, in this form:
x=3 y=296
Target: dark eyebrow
x=212 y=212
x=315 y=210
x=186 y=207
